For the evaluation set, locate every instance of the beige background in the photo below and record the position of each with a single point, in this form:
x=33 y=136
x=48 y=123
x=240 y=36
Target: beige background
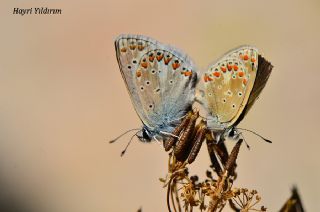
x=62 y=97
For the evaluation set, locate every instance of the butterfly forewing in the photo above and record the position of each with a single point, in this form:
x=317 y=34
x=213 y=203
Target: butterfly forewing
x=228 y=83
x=159 y=78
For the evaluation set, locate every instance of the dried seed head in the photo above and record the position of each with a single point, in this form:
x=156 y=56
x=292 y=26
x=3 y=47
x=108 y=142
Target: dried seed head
x=209 y=174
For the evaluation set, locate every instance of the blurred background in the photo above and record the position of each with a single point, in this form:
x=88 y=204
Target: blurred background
x=62 y=99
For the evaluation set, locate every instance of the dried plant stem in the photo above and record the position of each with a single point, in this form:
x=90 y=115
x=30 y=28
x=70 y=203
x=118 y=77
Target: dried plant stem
x=216 y=197
x=212 y=194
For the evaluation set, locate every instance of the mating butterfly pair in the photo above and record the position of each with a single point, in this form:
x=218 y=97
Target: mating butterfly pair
x=162 y=80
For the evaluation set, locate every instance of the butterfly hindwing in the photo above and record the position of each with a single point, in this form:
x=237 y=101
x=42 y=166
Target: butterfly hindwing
x=159 y=78
x=228 y=83
x=262 y=76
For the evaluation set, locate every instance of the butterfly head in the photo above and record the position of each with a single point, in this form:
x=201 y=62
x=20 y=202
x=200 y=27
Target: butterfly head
x=232 y=133
x=144 y=135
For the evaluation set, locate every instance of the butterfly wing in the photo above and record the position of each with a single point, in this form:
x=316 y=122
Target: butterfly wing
x=159 y=78
x=262 y=76
x=228 y=84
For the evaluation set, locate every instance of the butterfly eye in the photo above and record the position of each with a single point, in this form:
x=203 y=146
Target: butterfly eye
x=153 y=71
x=134 y=61
x=148 y=82
x=233 y=133
x=150 y=106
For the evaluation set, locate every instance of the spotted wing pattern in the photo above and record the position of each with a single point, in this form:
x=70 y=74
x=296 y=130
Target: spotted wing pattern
x=159 y=78
x=228 y=83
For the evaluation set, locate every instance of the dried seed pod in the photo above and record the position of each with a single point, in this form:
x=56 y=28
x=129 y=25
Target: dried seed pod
x=179 y=150
x=211 y=150
x=230 y=165
x=168 y=144
x=222 y=152
x=200 y=136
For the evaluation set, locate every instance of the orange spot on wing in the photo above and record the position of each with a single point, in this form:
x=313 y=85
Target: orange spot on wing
x=246 y=57
x=216 y=74
x=151 y=58
x=124 y=49
x=229 y=67
x=244 y=81
x=224 y=69
x=140 y=47
x=253 y=59
x=187 y=73
x=167 y=60
x=132 y=47
x=206 y=78
x=159 y=57
x=241 y=74
x=235 y=67
x=175 y=65
x=144 y=64
x=138 y=73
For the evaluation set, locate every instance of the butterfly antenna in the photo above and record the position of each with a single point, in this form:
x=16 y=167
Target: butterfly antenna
x=263 y=138
x=244 y=141
x=125 y=149
x=114 y=140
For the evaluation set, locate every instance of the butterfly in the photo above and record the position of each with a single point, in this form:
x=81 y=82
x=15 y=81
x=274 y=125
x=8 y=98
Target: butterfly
x=231 y=86
x=161 y=83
